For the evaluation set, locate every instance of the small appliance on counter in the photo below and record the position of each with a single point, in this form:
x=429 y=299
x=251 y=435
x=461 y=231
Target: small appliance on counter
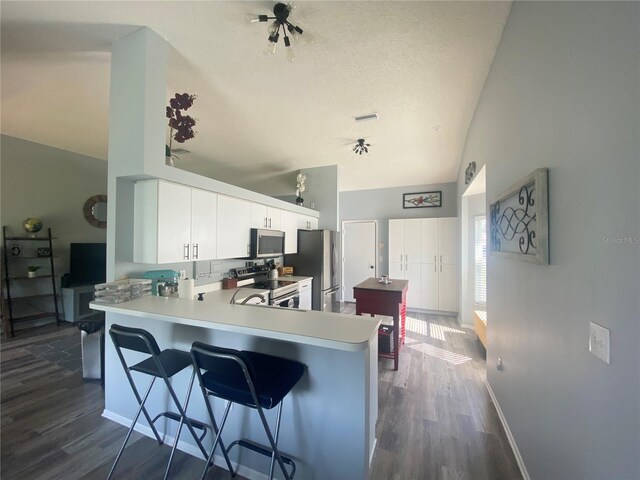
x=163 y=282
x=285 y=271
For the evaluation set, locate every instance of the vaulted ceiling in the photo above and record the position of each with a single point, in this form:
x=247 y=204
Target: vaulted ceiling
x=420 y=65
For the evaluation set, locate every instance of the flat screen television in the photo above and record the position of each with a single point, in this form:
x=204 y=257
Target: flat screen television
x=87 y=264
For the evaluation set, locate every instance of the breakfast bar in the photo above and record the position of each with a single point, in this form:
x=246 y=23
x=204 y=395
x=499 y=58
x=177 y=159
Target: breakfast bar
x=331 y=413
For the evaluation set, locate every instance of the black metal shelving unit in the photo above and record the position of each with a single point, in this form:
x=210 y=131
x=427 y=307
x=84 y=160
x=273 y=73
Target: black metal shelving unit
x=11 y=280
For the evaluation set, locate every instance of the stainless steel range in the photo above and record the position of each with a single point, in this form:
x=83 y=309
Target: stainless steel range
x=282 y=293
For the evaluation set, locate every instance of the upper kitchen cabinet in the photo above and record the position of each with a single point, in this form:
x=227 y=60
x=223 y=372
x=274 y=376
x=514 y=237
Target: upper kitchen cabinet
x=265 y=217
x=307 y=222
x=234 y=227
x=173 y=223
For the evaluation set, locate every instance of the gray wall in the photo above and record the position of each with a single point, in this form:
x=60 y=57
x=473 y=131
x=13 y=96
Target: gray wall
x=564 y=93
x=384 y=203
x=52 y=185
x=322 y=195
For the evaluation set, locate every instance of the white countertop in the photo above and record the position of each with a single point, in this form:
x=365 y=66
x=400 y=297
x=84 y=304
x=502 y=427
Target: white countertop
x=329 y=330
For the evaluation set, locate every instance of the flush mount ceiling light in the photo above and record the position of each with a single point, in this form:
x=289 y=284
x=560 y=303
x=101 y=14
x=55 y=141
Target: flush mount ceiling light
x=281 y=14
x=361 y=147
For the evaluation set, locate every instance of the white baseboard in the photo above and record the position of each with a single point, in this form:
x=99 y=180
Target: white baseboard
x=184 y=446
x=512 y=441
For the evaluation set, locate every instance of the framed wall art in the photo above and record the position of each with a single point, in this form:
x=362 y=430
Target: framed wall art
x=422 y=199
x=519 y=219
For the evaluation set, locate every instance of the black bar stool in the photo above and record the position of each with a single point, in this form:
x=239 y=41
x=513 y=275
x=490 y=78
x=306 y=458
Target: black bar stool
x=163 y=364
x=251 y=379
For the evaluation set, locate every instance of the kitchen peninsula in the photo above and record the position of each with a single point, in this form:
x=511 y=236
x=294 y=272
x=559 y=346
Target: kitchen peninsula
x=328 y=425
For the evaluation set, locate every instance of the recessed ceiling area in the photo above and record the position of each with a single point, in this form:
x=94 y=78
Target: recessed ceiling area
x=261 y=119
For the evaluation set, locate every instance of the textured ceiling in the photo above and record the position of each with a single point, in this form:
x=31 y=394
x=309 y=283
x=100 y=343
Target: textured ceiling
x=419 y=65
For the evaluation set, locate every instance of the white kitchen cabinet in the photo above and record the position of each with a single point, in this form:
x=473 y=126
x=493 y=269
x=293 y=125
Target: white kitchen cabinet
x=289 y=226
x=173 y=223
x=234 y=227
x=429 y=286
x=204 y=213
x=448 y=287
x=265 y=217
x=424 y=252
x=307 y=222
x=304 y=289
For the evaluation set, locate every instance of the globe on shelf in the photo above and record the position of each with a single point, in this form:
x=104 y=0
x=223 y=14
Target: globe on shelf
x=32 y=225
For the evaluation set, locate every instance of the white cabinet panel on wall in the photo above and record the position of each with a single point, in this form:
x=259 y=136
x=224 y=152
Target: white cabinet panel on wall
x=265 y=217
x=429 y=286
x=204 y=213
x=414 y=294
x=290 y=228
x=173 y=223
x=448 y=287
x=234 y=227
x=429 y=239
x=424 y=252
x=448 y=240
x=306 y=222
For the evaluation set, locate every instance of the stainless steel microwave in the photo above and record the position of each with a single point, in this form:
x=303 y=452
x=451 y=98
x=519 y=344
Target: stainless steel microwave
x=266 y=243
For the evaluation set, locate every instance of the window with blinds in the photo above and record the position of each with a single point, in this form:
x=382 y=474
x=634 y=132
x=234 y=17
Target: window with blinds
x=480 y=273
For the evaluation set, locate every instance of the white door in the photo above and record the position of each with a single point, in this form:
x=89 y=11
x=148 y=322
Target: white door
x=396 y=241
x=204 y=213
x=429 y=286
x=174 y=223
x=448 y=288
x=234 y=227
x=447 y=240
x=359 y=255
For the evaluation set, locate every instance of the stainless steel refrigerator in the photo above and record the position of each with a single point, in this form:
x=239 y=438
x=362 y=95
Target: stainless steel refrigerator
x=317 y=257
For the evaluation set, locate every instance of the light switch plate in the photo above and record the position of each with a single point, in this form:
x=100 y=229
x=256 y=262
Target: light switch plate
x=599 y=342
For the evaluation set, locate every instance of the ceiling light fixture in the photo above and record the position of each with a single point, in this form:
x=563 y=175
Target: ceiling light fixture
x=281 y=14
x=368 y=116
x=361 y=147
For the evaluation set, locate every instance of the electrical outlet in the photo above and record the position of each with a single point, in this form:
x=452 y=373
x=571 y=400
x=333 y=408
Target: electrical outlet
x=599 y=342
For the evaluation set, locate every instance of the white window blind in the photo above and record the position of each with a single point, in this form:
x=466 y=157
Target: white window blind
x=480 y=274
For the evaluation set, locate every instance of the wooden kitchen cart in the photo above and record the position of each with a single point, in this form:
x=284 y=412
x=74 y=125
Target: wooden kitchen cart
x=373 y=297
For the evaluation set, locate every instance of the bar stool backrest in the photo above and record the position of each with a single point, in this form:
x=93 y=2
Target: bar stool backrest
x=234 y=362
x=135 y=339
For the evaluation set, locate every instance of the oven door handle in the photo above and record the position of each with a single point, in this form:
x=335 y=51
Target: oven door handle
x=287 y=298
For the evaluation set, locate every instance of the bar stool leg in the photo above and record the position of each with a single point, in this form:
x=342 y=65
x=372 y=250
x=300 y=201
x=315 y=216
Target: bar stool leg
x=216 y=431
x=133 y=424
x=215 y=442
x=182 y=420
x=273 y=455
x=274 y=447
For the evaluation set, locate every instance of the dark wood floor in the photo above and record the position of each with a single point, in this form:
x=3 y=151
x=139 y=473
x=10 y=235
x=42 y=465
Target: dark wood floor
x=436 y=420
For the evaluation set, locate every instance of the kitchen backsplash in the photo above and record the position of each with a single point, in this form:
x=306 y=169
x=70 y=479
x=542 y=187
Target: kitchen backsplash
x=215 y=270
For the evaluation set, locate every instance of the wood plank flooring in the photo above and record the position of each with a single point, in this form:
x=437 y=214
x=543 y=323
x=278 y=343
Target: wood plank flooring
x=436 y=420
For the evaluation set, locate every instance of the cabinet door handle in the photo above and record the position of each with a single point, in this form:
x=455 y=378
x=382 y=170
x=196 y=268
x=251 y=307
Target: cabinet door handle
x=265 y=222
x=186 y=251
x=195 y=251
x=435 y=259
x=406 y=257
x=248 y=249
x=401 y=266
x=269 y=222
x=440 y=268
x=440 y=258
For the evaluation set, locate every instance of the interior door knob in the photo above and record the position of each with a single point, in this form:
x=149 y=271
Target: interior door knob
x=371 y=267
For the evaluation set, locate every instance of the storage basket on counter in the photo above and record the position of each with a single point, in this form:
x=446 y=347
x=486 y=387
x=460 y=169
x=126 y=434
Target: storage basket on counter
x=122 y=290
